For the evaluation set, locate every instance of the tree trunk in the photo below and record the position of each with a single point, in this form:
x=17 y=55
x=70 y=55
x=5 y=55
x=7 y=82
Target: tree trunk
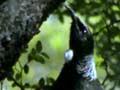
x=19 y=22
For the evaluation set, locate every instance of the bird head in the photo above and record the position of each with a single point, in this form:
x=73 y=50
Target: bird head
x=81 y=39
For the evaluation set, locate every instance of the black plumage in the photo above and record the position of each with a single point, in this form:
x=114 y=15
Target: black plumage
x=82 y=44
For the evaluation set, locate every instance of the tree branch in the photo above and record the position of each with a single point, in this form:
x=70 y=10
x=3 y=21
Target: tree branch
x=19 y=22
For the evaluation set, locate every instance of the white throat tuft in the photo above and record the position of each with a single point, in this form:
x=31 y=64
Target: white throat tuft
x=86 y=67
x=68 y=55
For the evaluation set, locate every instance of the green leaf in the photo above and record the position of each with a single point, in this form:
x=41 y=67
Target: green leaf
x=45 y=55
x=26 y=85
x=13 y=84
x=18 y=76
x=33 y=51
x=26 y=68
x=39 y=46
x=39 y=59
x=42 y=82
x=30 y=57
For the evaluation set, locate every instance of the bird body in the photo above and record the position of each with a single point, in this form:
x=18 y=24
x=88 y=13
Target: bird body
x=79 y=71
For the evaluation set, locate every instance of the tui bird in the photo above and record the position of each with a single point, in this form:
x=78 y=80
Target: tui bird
x=79 y=71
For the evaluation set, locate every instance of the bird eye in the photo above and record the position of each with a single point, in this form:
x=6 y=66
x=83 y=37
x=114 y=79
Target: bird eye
x=84 y=31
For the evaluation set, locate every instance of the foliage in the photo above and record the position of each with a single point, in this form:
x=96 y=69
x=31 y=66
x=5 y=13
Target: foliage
x=103 y=19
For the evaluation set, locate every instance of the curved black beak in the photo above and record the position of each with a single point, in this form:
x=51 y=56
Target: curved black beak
x=81 y=39
x=79 y=25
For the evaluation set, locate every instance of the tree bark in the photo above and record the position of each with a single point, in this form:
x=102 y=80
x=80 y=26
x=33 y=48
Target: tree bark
x=19 y=22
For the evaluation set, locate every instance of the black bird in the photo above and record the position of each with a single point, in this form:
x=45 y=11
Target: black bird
x=79 y=71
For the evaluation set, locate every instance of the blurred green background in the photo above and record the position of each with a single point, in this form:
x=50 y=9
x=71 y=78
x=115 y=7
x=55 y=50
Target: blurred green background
x=103 y=19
